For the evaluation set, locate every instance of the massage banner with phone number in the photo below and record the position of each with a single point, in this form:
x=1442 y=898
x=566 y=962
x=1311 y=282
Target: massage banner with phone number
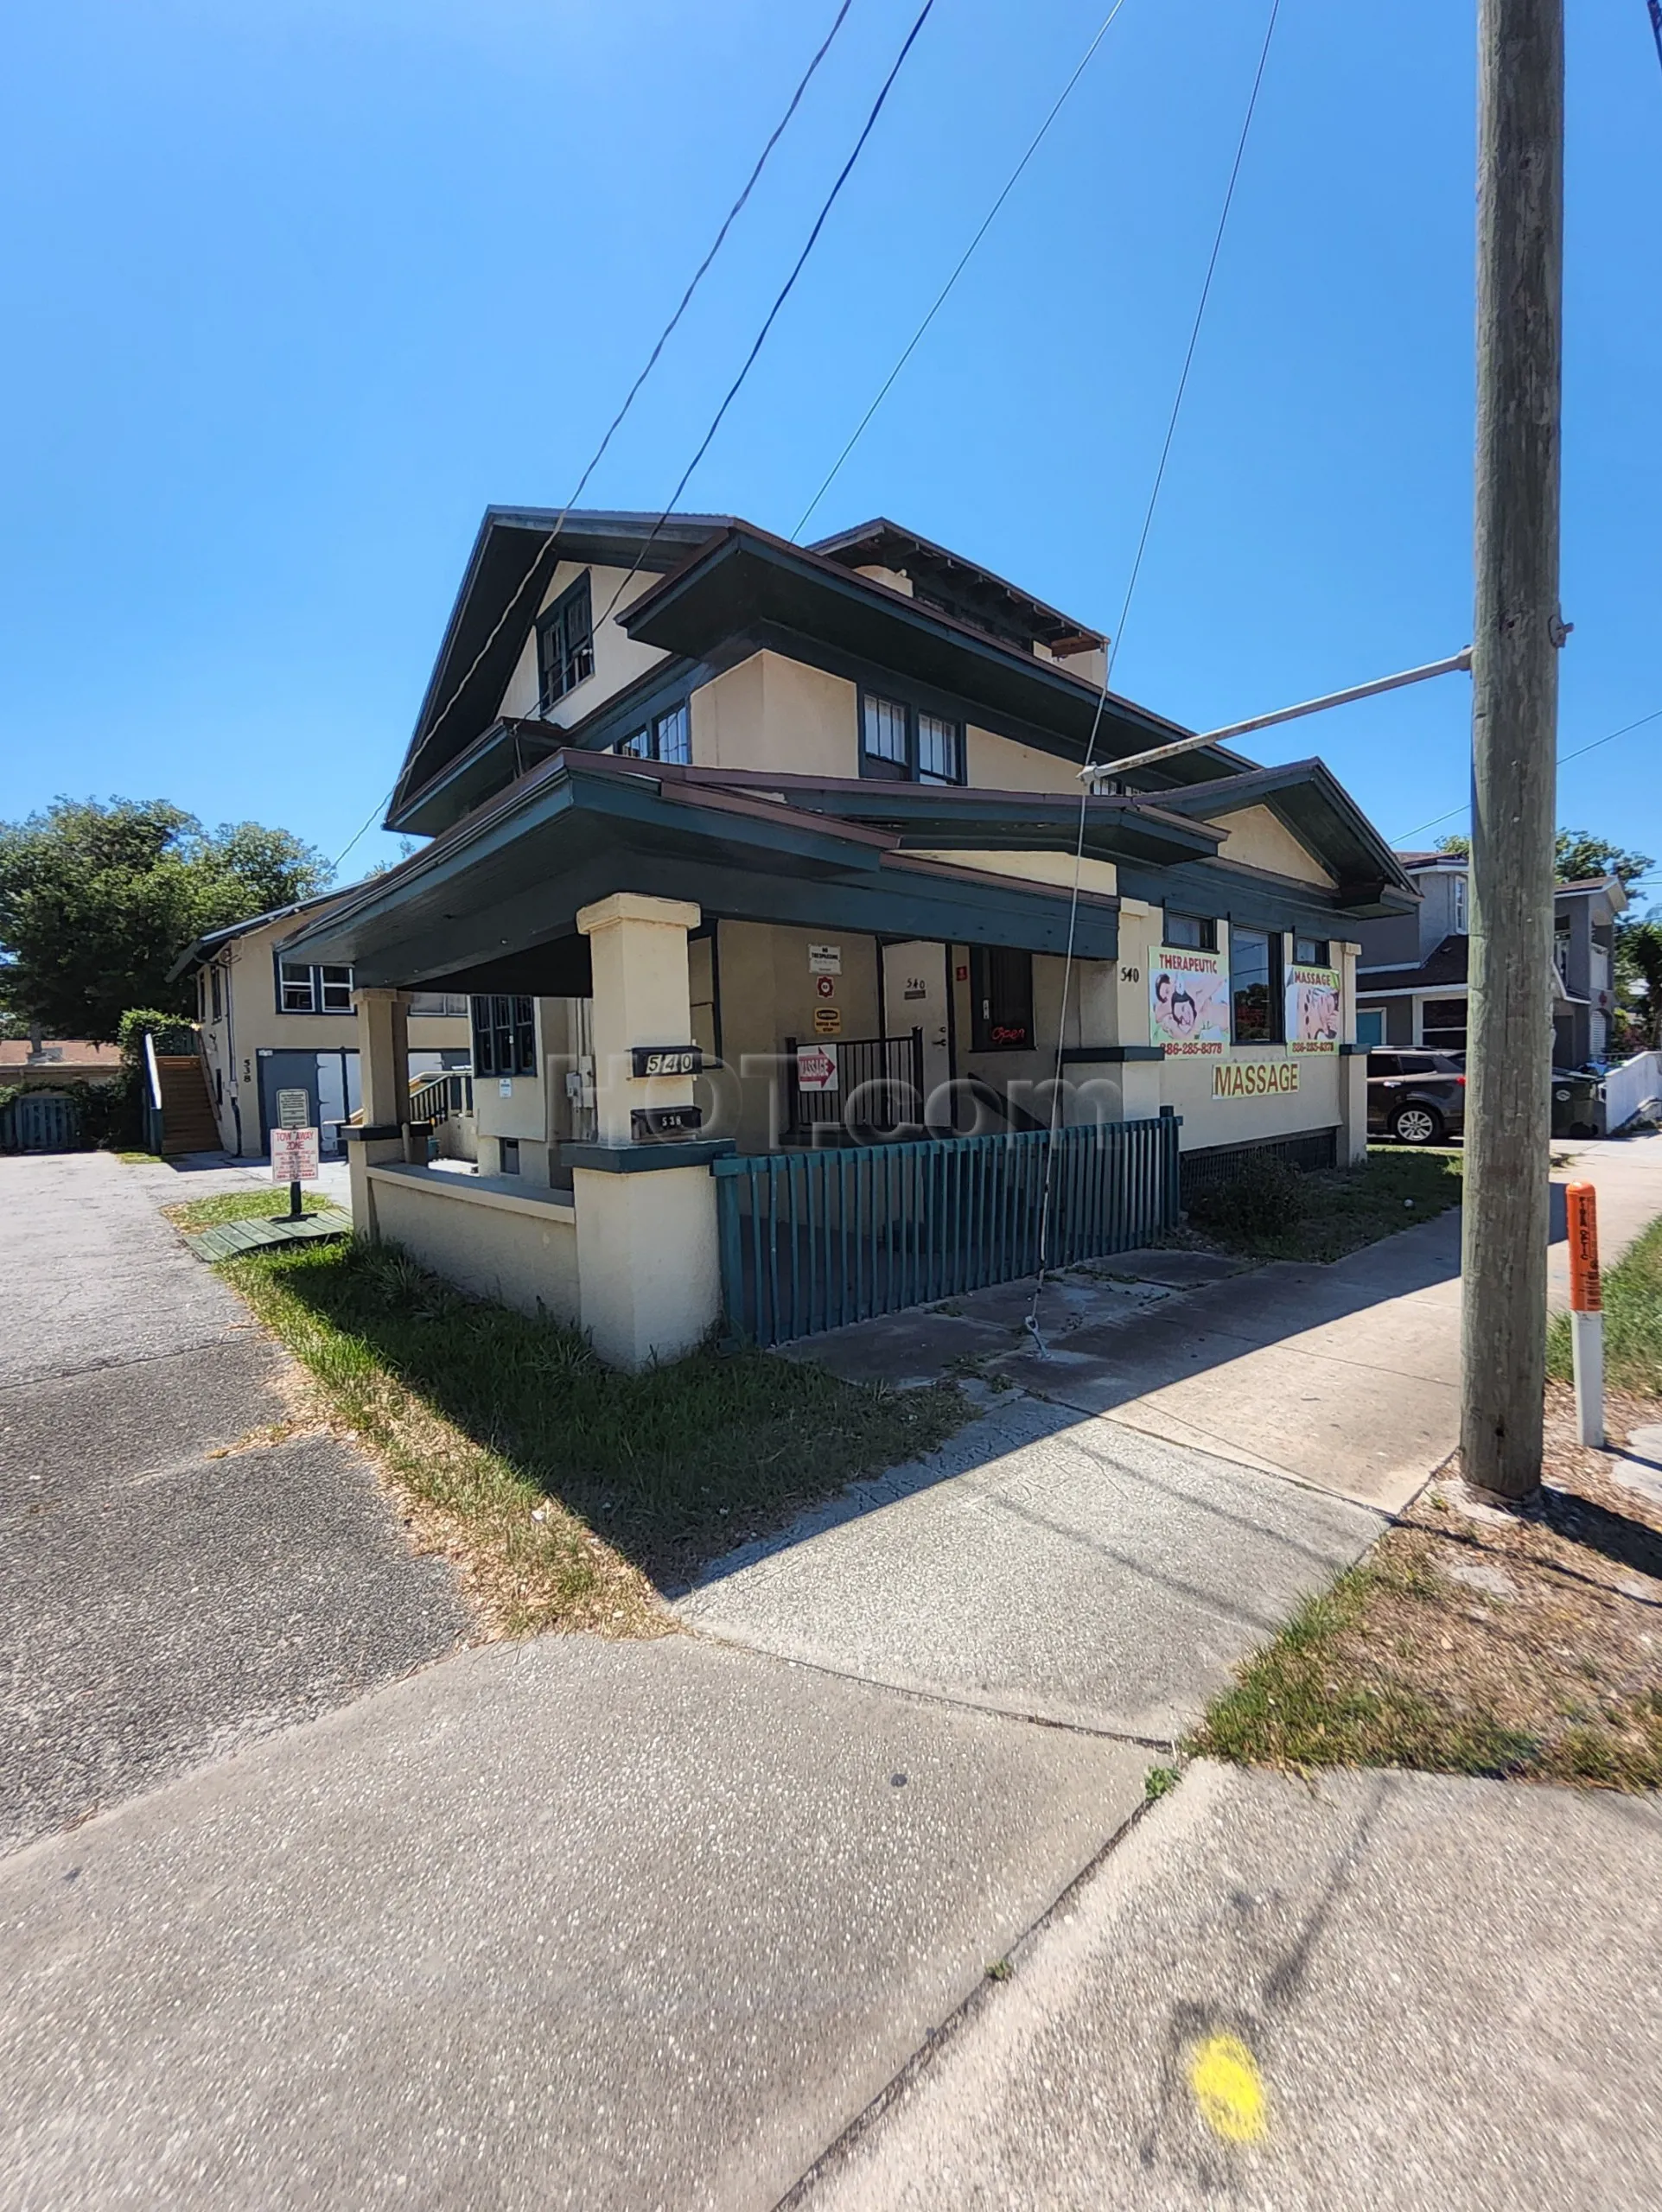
x=1188 y=1000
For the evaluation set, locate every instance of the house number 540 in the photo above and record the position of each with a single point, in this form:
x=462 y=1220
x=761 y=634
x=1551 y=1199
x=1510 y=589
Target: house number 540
x=1130 y=975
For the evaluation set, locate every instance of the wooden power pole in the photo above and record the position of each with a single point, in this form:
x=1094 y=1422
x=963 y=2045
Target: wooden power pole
x=1515 y=644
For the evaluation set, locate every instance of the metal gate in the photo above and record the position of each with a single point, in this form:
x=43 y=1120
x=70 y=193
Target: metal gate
x=36 y=1121
x=811 y=1240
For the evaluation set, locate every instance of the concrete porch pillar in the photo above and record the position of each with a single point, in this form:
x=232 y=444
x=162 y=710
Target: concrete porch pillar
x=648 y=1265
x=1352 y=1064
x=383 y=1078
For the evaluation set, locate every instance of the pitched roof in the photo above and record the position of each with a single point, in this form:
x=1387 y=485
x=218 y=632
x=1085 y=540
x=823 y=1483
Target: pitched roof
x=1446 y=964
x=59 y=1056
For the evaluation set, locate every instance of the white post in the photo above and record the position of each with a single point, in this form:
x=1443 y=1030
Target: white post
x=1586 y=1312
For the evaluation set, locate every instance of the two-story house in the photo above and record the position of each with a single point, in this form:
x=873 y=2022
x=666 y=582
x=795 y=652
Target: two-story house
x=809 y=821
x=1411 y=973
x=266 y=1023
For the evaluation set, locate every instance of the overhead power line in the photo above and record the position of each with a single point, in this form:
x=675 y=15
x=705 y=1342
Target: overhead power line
x=784 y=293
x=1564 y=758
x=941 y=297
x=664 y=335
x=1116 y=637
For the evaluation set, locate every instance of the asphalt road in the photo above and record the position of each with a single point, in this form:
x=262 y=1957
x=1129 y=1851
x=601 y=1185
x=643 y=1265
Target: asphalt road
x=164 y=1604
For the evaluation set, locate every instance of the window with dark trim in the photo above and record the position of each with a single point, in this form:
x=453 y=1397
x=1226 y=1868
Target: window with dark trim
x=565 y=643
x=1255 y=987
x=1001 y=998
x=1310 y=951
x=668 y=736
x=505 y=1035
x=902 y=744
x=213 y=982
x=303 y=989
x=1198 y=932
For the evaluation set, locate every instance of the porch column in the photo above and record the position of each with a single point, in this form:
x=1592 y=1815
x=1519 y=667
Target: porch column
x=648 y=1266
x=383 y=1077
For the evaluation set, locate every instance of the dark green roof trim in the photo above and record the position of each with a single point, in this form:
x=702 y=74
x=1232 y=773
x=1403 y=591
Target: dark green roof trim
x=201 y=948
x=1310 y=801
x=747 y=582
x=514 y=555
x=580 y=827
x=644 y=1158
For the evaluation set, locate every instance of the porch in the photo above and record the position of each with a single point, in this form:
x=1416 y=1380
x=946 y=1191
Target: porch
x=822 y=1088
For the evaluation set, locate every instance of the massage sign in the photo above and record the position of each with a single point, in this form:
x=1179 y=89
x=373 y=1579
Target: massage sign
x=1188 y=1001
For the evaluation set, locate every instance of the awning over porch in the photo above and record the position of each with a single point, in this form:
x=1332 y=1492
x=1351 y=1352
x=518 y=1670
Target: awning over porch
x=493 y=906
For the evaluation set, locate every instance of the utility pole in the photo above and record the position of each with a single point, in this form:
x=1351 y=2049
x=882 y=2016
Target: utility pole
x=1515 y=644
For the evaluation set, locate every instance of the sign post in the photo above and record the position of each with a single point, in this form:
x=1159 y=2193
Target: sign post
x=294 y=1162
x=1586 y=1312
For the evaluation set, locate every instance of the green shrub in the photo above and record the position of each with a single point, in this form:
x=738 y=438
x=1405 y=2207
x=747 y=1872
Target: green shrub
x=171 y=1034
x=1262 y=1197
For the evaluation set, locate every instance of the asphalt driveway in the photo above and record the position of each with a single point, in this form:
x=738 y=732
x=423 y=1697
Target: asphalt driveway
x=167 y=1600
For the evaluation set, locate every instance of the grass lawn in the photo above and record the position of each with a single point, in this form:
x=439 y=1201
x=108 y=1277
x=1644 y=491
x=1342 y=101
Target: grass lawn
x=1475 y=1639
x=1633 y=1322
x=567 y=1493
x=241 y=1205
x=1322 y=1213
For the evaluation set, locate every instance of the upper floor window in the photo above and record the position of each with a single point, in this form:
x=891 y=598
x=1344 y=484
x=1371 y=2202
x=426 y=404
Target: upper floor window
x=1460 y=905
x=438 y=1002
x=905 y=745
x=565 y=643
x=505 y=1035
x=1255 y=987
x=303 y=989
x=1198 y=932
x=668 y=737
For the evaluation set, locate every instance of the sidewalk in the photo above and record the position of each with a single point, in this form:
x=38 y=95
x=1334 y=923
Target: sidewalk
x=1401 y=1991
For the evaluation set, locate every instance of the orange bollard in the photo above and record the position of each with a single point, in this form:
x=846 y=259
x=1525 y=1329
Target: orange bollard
x=1586 y=1312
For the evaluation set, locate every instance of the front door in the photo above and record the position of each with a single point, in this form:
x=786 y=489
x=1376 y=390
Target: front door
x=915 y=997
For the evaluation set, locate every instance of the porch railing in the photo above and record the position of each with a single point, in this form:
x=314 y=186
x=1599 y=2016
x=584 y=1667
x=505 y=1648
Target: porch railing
x=879 y=1086
x=813 y=1240
x=441 y=1095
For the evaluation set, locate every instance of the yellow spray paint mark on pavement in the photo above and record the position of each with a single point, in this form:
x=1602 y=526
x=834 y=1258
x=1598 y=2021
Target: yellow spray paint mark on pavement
x=1229 y=2090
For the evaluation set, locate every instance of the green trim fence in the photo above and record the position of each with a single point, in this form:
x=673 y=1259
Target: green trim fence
x=811 y=1240
x=36 y=1121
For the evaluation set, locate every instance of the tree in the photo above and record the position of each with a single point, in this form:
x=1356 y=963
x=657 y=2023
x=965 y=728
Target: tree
x=1638 y=980
x=1577 y=854
x=97 y=902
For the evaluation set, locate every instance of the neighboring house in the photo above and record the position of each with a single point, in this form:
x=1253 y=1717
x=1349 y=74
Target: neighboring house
x=1411 y=978
x=267 y=1024
x=812 y=814
x=47 y=1063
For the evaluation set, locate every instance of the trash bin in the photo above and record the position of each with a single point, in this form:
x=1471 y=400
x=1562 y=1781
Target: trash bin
x=1577 y=1105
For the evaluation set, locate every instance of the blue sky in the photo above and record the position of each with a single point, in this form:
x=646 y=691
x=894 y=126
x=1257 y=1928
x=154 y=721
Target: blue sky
x=293 y=292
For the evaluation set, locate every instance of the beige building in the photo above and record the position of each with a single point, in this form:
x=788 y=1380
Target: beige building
x=266 y=1023
x=794 y=952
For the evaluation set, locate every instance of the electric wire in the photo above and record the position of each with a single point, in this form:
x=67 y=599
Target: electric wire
x=1110 y=652
x=941 y=297
x=1563 y=761
x=785 y=291
x=652 y=361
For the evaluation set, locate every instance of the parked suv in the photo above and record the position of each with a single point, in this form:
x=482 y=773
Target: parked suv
x=1417 y=1098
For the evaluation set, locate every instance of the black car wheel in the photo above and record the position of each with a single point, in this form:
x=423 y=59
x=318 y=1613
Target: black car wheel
x=1417 y=1124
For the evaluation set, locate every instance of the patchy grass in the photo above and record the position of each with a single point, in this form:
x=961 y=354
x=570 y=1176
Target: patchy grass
x=1521 y=1643
x=241 y=1205
x=565 y=1492
x=1331 y=1211
x=1633 y=1322
x=141 y=1159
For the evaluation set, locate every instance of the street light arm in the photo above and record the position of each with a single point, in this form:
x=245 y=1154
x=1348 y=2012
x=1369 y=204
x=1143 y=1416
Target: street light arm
x=1460 y=661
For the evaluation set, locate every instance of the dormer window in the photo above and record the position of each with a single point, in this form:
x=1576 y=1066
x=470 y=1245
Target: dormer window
x=565 y=643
